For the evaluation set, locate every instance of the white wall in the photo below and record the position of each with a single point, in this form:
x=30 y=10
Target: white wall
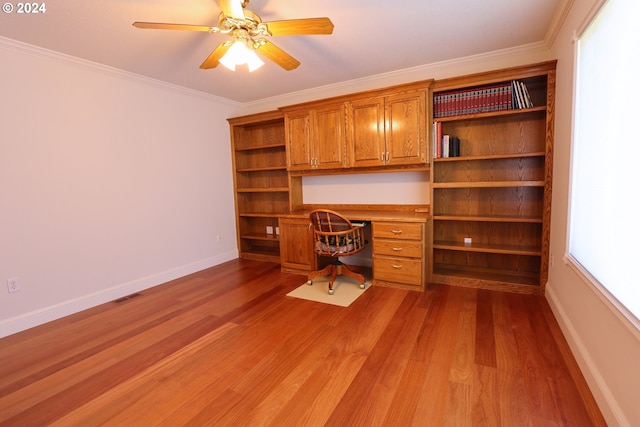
x=385 y=188
x=109 y=184
x=606 y=345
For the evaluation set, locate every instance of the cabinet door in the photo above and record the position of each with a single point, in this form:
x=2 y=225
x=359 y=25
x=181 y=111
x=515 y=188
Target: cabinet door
x=297 y=128
x=366 y=135
x=328 y=137
x=296 y=245
x=406 y=128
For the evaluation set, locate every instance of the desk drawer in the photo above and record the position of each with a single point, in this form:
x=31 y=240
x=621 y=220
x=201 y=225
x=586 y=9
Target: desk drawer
x=398 y=248
x=399 y=270
x=397 y=230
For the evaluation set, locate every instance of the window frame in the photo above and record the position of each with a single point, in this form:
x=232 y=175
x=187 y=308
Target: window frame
x=600 y=290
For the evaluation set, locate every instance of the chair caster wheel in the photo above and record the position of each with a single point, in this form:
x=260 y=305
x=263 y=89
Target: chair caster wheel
x=309 y=282
x=362 y=286
x=330 y=291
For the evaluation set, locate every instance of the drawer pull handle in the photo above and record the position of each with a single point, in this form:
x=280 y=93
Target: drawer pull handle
x=396 y=266
x=396 y=249
x=396 y=231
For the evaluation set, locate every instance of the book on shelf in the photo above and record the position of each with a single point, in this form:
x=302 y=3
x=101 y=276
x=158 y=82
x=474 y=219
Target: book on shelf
x=521 y=97
x=437 y=138
x=504 y=96
x=454 y=146
x=444 y=145
x=472 y=101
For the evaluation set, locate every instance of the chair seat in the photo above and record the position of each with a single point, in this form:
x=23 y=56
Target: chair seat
x=335 y=236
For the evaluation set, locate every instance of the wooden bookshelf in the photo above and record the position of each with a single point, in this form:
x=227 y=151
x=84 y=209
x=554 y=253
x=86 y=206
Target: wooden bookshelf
x=498 y=191
x=262 y=186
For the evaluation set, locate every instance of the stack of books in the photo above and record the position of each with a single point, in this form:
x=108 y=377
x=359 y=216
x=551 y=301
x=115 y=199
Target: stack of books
x=521 y=98
x=444 y=146
x=504 y=96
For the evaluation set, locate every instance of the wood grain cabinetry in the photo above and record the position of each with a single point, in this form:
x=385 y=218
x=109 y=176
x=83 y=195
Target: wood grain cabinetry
x=263 y=188
x=388 y=130
x=497 y=193
x=374 y=130
x=399 y=254
x=296 y=248
x=316 y=138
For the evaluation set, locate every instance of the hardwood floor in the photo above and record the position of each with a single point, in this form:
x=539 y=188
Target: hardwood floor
x=225 y=346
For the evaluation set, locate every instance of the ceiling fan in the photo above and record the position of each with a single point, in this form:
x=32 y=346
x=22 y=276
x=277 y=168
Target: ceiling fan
x=249 y=34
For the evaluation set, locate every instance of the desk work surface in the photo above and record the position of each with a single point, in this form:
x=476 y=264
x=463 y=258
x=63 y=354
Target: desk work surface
x=400 y=213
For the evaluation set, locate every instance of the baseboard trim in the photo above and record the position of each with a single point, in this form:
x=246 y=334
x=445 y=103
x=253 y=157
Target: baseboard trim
x=53 y=312
x=607 y=402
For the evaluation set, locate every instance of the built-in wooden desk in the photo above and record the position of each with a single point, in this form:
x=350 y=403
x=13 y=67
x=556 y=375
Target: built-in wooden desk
x=400 y=235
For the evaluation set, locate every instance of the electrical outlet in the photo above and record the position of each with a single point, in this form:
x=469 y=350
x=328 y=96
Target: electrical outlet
x=269 y=229
x=13 y=285
x=467 y=240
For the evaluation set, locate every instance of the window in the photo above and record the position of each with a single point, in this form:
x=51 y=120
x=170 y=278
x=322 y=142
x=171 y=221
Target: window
x=604 y=223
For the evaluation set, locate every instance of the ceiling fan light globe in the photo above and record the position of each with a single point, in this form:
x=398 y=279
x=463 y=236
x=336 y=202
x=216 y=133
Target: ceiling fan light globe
x=235 y=55
x=238 y=54
x=253 y=61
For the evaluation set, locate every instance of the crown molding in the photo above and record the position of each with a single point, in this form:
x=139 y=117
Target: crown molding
x=28 y=49
x=559 y=17
x=513 y=56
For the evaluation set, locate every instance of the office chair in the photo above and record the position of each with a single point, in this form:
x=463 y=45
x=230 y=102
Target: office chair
x=334 y=236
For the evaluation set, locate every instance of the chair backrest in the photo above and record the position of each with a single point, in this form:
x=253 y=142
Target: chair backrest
x=334 y=235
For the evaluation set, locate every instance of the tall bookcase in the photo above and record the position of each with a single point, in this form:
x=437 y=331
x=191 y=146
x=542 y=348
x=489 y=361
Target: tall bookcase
x=491 y=204
x=262 y=186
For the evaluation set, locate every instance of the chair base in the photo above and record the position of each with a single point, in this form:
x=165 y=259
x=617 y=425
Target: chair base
x=335 y=269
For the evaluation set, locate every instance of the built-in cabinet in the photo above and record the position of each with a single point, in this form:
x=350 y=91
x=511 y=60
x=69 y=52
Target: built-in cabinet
x=367 y=130
x=491 y=204
x=296 y=251
x=316 y=138
x=488 y=225
x=388 y=130
x=399 y=254
x=263 y=187
x=399 y=239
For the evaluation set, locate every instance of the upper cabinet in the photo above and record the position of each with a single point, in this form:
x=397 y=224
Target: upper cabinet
x=388 y=130
x=381 y=129
x=316 y=138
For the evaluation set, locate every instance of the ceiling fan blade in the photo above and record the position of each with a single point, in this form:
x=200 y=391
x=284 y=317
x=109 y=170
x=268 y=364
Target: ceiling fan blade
x=294 y=27
x=278 y=55
x=232 y=8
x=162 y=26
x=214 y=59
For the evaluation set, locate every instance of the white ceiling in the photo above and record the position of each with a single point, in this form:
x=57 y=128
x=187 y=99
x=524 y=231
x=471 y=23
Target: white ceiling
x=369 y=38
